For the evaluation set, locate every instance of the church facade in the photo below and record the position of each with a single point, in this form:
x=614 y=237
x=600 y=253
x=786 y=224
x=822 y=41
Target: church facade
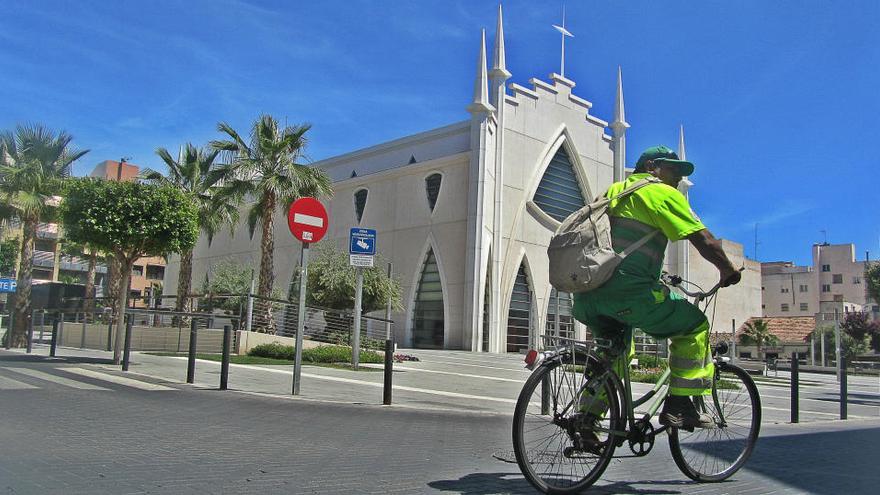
x=465 y=212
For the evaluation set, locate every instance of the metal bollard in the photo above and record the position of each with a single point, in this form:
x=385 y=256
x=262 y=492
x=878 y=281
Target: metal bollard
x=389 y=369
x=54 y=342
x=30 y=333
x=110 y=333
x=9 y=326
x=843 y=400
x=191 y=355
x=795 y=410
x=224 y=365
x=126 y=352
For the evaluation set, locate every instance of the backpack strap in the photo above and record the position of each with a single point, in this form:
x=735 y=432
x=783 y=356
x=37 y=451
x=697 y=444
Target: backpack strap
x=626 y=192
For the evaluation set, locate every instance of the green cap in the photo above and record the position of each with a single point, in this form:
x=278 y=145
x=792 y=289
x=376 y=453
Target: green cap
x=663 y=154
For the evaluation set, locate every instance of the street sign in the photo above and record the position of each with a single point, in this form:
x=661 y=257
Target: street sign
x=8 y=285
x=307 y=220
x=362 y=241
x=362 y=260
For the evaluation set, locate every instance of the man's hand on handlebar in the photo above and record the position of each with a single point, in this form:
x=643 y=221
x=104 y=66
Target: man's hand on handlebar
x=731 y=276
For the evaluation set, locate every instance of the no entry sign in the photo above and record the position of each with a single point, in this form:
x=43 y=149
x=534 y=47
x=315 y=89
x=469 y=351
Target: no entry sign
x=307 y=220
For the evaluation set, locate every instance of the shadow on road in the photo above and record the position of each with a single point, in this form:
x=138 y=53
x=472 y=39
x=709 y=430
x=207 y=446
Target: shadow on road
x=490 y=483
x=33 y=358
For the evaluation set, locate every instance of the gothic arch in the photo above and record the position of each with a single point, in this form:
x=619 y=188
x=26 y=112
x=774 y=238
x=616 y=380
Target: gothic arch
x=424 y=337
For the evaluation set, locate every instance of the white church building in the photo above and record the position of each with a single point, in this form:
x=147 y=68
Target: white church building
x=465 y=213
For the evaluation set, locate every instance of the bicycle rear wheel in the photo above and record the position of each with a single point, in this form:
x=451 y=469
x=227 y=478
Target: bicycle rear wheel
x=559 y=448
x=714 y=454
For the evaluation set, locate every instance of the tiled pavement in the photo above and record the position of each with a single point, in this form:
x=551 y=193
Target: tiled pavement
x=124 y=439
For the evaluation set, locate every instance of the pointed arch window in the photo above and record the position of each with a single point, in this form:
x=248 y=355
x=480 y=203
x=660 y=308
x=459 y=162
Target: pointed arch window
x=519 y=316
x=559 y=322
x=432 y=188
x=360 y=201
x=427 y=329
x=559 y=193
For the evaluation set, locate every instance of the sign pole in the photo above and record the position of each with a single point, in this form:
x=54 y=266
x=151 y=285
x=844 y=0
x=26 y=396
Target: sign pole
x=358 y=303
x=300 y=317
x=388 y=311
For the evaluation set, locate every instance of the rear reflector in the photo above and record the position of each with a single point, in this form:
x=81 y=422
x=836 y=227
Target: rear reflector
x=531 y=357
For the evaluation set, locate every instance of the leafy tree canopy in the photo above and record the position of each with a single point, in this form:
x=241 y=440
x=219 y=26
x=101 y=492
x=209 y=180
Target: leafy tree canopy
x=872 y=278
x=8 y=254
x=332 y=282
x=129 y=219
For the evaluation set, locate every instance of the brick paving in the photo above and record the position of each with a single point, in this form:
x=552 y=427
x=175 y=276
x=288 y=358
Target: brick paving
x=61 y=440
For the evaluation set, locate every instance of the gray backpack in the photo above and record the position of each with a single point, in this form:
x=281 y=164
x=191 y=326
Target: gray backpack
x=580 y=252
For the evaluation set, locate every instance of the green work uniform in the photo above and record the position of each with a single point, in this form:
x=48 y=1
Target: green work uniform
x=634 y=296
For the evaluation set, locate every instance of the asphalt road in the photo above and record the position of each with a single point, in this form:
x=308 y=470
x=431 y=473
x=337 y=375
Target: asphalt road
x=72 y=426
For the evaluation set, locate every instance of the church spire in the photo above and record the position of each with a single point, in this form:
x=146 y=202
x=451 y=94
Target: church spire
x=499 y=67
x=619 y=127
x=481 y=86
x=681 y=153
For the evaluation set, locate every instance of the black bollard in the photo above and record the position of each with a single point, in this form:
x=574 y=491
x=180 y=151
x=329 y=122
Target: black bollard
x=191 y=355
x=795 y=410
x=30 y=333
x=843 y=399
x=389 y=369
x=224 y=365
x=54 y=342
x=110 y=333
x=126 y=351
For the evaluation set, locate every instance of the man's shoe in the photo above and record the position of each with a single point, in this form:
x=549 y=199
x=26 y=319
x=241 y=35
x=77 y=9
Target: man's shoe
x=679 y=412
x=586 y=425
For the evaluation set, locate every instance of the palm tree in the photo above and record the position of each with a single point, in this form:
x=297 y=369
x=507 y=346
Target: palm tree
x=265 y=170
x=758 y=332
x=33 y=163
x=195 y=174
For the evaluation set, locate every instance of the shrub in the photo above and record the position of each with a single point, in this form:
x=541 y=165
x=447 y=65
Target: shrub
x=320 y=354
x=651 y=361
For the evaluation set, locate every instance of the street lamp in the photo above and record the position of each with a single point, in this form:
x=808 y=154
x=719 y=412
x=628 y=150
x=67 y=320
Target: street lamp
x=119 y=168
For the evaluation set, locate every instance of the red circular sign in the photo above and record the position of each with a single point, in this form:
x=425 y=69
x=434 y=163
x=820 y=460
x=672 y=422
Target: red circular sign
x=307 y=219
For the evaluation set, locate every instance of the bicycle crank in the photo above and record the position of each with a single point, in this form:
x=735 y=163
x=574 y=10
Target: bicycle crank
x=641 y=440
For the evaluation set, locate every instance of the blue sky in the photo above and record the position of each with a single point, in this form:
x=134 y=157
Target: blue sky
x=779 y=100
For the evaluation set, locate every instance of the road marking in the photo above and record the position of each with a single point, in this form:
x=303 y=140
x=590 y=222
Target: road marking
x=120 y=380
x=377 y=385
x=10 y=384
x=67 y=382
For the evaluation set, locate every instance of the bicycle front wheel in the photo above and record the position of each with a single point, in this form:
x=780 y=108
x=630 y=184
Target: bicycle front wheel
x=714 y=454
x=559 y=447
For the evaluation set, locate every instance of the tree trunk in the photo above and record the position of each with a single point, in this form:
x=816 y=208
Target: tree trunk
x=89 y=306
x=125 y=265
x=184 y=281
x=267 y=275
x=18 y=333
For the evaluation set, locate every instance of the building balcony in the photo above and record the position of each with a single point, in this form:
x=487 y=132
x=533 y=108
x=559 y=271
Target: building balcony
x=45 y=259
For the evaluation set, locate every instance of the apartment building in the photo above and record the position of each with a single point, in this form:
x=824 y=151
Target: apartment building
x=835 y=281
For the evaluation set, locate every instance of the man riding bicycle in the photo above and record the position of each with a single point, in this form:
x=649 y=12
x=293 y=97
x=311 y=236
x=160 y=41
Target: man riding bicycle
x=634 y=296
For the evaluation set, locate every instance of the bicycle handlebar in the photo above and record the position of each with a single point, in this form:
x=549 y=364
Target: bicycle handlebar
x=675 y=281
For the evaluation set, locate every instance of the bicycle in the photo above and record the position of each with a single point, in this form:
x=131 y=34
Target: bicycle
x=561 y=449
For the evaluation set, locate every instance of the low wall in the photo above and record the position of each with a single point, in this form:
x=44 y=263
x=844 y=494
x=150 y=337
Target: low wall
x=160 y=339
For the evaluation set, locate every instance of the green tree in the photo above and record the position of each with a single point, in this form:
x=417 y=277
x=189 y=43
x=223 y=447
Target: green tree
x=129 y=220
x=8 y=256
x=332 y=283
x=756 y=332
x=196 y=175
x=872 y=279
x=33 y=164
x=265 y=169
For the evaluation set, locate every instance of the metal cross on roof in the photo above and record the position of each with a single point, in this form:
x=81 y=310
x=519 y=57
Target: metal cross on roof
x=564 y=33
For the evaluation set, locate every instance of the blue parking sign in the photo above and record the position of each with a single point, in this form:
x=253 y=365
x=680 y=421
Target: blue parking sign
x=8 y=285
x=362 y=241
